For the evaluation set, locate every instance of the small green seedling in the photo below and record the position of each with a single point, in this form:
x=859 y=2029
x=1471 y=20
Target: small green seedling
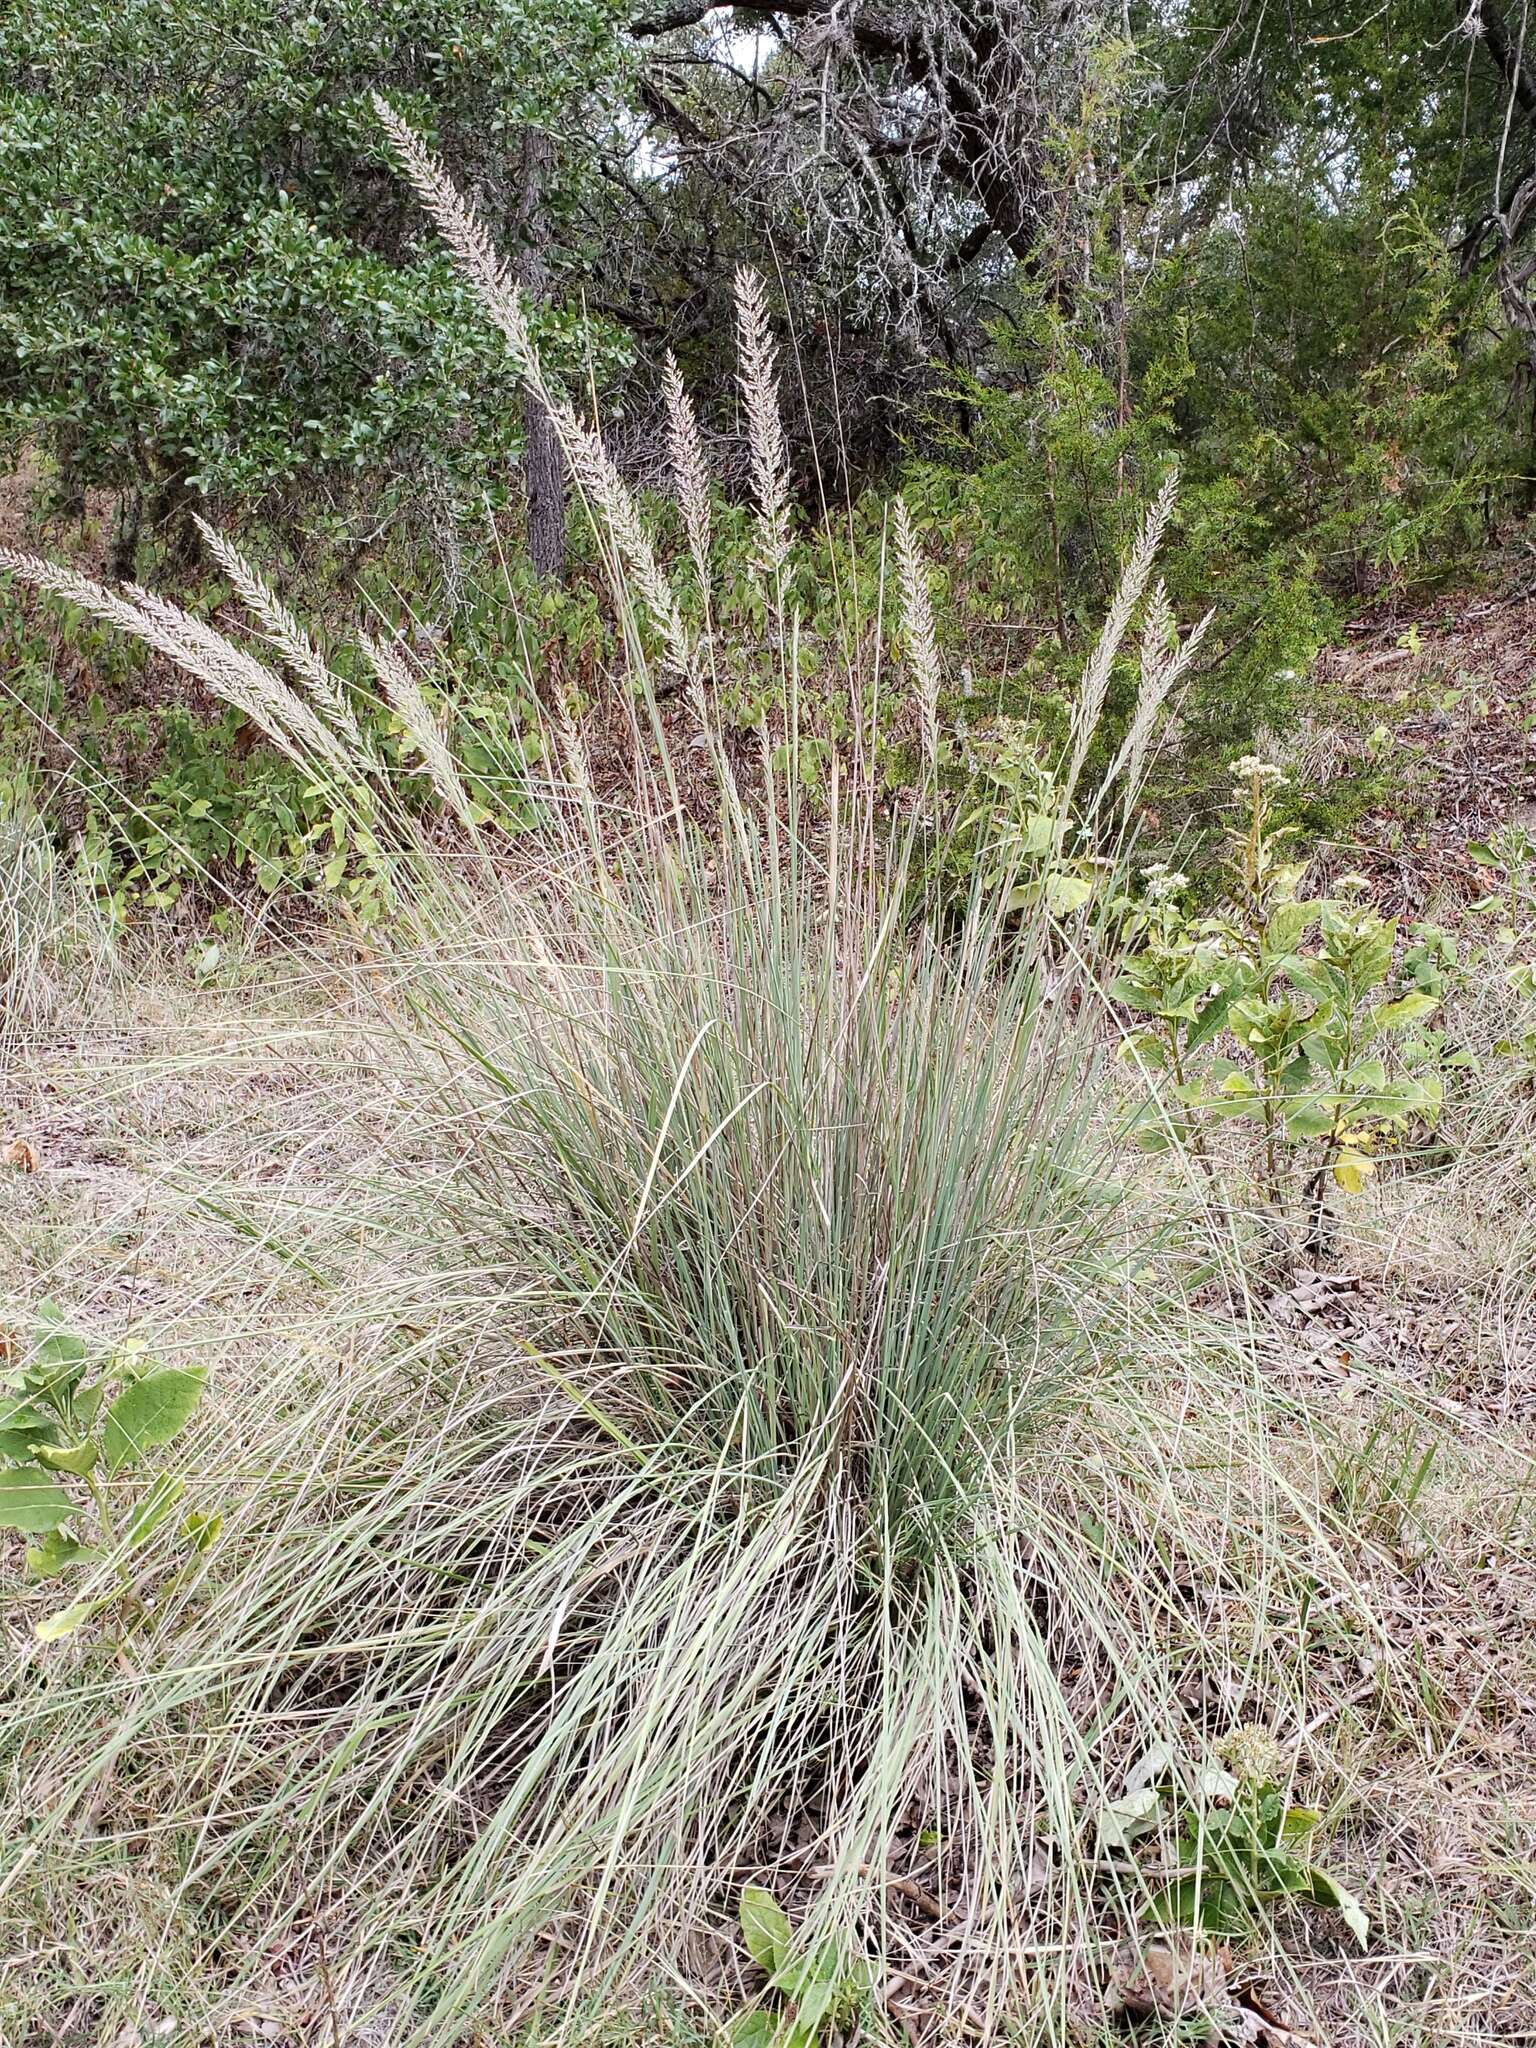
x=1510 y=852
x=819 y=1989
x=1238 y=1845
x=68 y=1430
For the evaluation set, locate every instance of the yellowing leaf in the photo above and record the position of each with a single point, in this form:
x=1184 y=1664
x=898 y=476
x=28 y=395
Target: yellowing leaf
x=53 y=1627
x=1410 y=1009
x=1066 y=892
x=1351 y=1170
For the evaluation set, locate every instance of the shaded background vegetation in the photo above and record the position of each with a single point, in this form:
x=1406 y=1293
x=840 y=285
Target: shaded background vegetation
x=1026 y=256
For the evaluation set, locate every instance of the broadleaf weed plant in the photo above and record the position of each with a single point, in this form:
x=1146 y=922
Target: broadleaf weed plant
x=1281 y=1011
x=782 y=1459
x=70 y=1422
x=1233 y=1840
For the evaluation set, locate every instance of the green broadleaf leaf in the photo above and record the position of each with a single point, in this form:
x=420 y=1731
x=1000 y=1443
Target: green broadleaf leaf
x=202 y=1531
x=1305 y=1120
x=1287 y=926
x=1298 y=1823
x=764 y=1928
x=1212 y=1905
x=55 y=1554
x=1324 y=1890
x=1065 y=893
x=1268 y=1873
x=1143 y=1048
x=1313 y=978
x=153 y=1509
x=812 y=1984
x=22 y=1428
x=58 y=1359
x=1409 y=1009
x=32 y=1502
x=76 y=1458
x=21 y=1414
x=1210 y=1019
x=150 y=1412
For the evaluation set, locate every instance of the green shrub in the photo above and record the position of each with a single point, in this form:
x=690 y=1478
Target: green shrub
x=206 y=291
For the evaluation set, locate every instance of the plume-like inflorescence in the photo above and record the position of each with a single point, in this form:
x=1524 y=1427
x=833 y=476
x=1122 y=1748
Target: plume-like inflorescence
x=461 y=228
x=591 y=466
x=1133 y=582
x=1157 y=635
x=757 y=374
x=403 y=695
x=573 y=747
x=287 y=634
x=243 y=681
x=232 y=674
x=595 y=474
x=921 y=638
x=1164 y=659
x=690 y=472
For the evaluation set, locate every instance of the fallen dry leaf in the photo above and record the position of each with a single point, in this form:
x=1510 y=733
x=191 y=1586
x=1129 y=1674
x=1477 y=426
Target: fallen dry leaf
x=21 y=1155
x=1172 y=1975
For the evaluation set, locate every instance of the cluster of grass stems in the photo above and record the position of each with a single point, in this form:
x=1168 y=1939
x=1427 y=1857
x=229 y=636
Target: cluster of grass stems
x=777 y=1449
x=55 y=942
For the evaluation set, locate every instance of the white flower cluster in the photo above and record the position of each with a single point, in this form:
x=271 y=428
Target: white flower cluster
x=1251 y=1753
x=1163 y=881
x=1251 y=768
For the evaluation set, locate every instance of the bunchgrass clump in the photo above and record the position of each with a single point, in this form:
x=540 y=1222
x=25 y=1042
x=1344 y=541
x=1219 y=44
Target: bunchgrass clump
x=778 y=1460
x=775 y=1453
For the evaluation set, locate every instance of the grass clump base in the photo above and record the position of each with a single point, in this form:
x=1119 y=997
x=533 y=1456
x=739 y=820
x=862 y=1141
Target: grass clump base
x=778 y=1455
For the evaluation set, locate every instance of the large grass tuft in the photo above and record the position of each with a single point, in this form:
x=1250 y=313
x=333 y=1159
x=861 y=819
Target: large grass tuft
x=777 y=1458
x=756 y=1437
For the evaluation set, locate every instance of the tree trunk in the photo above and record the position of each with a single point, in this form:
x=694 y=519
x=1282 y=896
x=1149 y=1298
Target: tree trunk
x=127 y=528
x=170 y=518
x=543 y=463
